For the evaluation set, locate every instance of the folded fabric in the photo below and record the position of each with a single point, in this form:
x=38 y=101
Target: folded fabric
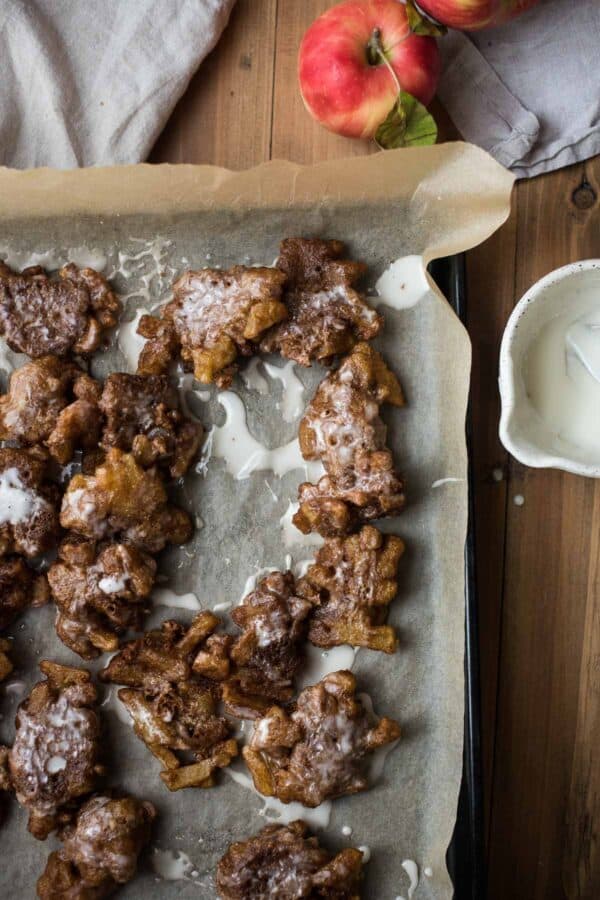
x=529 y=92
x=92 y=82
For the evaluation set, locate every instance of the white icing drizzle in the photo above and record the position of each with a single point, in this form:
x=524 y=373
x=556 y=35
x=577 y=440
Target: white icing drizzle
x=442 y=481
x=243 y=454
x=110 y=584
x=252 y=580
x=292 y=536
x=320 y=663
x=112 y=704
x=18 y=503
x=412 y=870
x=292 y=398
x=275 y=811
x=173 y=865
x=130 y=342
x=402 y=284
x=85 y=257
x=166 y=597
x=366 y=852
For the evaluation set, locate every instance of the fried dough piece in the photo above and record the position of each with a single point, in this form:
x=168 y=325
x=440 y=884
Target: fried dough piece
x=54 y=759
x=121 y=498
x=100 y=592
x=174 y=711
x=327 y=316
x=369 y=489
x=215 y=316
x=19 y=589
x=6 y=665
x=51 y=401
x=269 y=652
x=283 y=861
x=40 y=315
x=28 y=503
x=100 y=851
x=351 y=583
x=319 y=750
x=143 y=417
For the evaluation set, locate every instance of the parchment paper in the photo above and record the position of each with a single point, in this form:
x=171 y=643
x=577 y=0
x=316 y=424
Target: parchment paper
x=433 y=202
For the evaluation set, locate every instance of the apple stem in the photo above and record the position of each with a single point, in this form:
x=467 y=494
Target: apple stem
x=375 y=48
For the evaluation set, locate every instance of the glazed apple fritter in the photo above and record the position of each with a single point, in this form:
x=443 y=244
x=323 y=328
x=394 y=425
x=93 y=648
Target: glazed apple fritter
x=174 y=709
x=351 y=584
x=100 y=591
x=28 y=503
x=269 y=652
x=283 y=861
x=319 y=750
x=327 y=316
x=53 y=402
x=100 y=850
x=143 y=417
x=40 y=315
x=214 y=316
x=20 y=588
x=54 y=759
x=121 y=498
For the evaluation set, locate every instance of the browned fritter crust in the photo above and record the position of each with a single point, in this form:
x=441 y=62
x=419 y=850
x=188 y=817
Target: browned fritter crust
x=143 y=417
x=173 y=709
x=327 y=316
x=19 y=589
x=269 y=652
x=351 y=584
x=51 y=401
x=319 y=749
x=100 y=851
x=284 y=861
x=121 y=498
x=215 y=316
x=54 y=759
x=29 y=508
x=40 y=315
x=100 y=591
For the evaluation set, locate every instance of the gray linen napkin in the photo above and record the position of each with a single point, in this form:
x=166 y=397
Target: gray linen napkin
x=92 y=82
x=529 y=92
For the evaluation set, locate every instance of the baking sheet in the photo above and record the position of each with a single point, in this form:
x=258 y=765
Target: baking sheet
x=150 y=223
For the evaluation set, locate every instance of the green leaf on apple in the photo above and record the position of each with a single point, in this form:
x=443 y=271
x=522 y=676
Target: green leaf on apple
x=421 y=24
x=408 y=124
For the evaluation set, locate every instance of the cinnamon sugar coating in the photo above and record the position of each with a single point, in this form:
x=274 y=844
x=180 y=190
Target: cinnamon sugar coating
x=143 y=417
x=41 y=315
x=214 y=317
x=351 y=583
x=51 y=401
x=28 y=503
x=100 y=591
x=54 y=759
x=121 y=498
x=173 y=708
x=320 y=749
x=327 y=316
x=283 y=861
x=100 y=850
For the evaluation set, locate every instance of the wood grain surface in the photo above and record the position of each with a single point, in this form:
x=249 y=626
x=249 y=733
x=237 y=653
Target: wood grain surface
x=539 y=562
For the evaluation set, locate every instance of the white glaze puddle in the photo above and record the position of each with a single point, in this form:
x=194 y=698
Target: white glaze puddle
x=51 y=260
x=291 y=535
x=402 y=284
x=172 y=865
x=412 y=870
x=320 y=663
x=166 y=597
x=283 y=813
x=441 y=481
x=130 y=343
x=243 y=454
x=252 y=377
x=366 y=852
x=292 y=398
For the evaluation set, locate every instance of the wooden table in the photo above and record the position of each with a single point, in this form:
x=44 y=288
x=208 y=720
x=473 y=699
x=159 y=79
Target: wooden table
x=538 y=563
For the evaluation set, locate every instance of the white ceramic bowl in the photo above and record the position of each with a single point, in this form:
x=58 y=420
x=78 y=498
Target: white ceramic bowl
x=522 y=430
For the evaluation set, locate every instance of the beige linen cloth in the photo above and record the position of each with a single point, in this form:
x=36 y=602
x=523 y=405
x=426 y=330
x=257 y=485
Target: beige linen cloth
x=92 y=82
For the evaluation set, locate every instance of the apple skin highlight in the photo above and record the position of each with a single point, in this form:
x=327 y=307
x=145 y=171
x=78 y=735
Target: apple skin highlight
x=340 y=87
x=472 y=15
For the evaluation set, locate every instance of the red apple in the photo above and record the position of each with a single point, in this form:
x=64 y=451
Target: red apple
x=345 y=64
x=471 y=15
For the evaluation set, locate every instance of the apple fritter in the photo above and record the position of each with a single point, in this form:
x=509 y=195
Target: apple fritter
x=54 y=760
x=28 y=503
x=143 y=417
x=41 y=315
x=100 y=850
x=215 y=316
x=269 y=652
x=100 y=591
x=351 y=584
x=319 y=750
x=54 y=402
x=327 y=316
x=284 y=861
x=20 y=588
x=173 y=708
x=121 y=498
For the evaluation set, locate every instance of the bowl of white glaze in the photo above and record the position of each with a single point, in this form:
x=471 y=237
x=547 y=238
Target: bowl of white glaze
x=550 y=372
